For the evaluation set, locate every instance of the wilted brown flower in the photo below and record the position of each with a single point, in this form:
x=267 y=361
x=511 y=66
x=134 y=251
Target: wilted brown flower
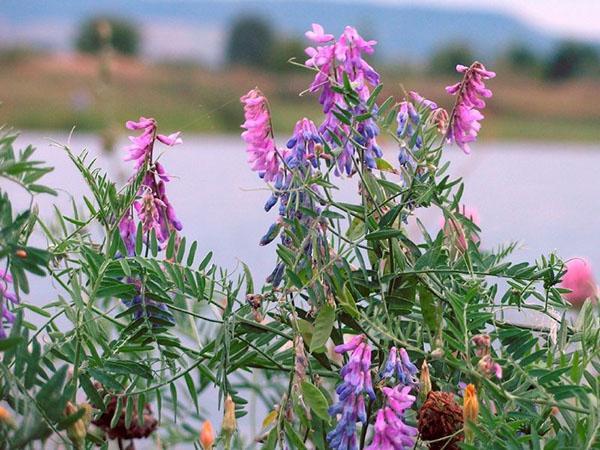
x=136 y=430
x=441 y=417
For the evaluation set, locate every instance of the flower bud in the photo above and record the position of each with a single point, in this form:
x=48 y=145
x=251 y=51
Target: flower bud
x=425 y=380
x=229 y=424
x=21 y=254
x=76 y=431
x=470 y=411
x=6 y=417
x=207 y=435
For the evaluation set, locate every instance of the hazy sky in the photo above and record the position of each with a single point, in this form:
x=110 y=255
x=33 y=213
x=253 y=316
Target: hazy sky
x=577 y=18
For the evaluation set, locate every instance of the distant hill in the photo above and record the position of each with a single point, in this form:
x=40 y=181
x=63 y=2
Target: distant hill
x=199 y=28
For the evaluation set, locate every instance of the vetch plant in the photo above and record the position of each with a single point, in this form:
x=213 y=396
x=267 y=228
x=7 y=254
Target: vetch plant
x=363 y=336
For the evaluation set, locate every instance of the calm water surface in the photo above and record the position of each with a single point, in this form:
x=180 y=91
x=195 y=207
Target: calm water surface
x=545 y=195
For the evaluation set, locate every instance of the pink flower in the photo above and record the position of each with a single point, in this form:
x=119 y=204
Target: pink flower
x=141 y=148
x=391 y=433
x=262 y=153
x=153 y=208
x=465 y=117
x=580 y=280
x=318 y=34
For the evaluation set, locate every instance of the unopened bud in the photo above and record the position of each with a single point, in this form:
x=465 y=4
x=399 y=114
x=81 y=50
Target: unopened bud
x=21 y=254
x=76 y=431
x=229 y=423
x=470 y=411
x=6 y=417
x=437 y=353
x=425 y=380
x=207 y=435
x=440 y=119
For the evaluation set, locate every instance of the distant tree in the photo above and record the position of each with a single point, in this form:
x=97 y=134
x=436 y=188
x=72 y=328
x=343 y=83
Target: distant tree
x=572 y=59
x=283 y=51
x=445 y=59
x=522 y=58
x=94 y=33
x=251 y=42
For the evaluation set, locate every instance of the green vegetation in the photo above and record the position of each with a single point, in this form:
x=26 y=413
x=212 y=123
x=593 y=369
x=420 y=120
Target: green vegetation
x=99 y=32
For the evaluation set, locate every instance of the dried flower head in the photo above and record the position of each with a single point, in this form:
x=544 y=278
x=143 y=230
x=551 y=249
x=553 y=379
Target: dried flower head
x=441 y=417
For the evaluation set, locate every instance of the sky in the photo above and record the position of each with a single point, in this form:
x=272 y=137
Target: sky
x=573 y=18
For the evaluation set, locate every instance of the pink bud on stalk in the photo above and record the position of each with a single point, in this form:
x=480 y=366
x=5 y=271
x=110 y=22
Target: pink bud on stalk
x=456 y=233
x=579 y=278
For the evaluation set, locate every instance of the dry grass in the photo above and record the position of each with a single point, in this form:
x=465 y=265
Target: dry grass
x=61 y=91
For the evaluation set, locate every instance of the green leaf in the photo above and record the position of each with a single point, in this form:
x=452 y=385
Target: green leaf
x=428 y=309
x=315 y=400
x=346 y=301
x=139 y=239
x=322 y=328
x=192 y=253
x=293 y=437
x=10 y=342
x=386 y=233
x=249 y=281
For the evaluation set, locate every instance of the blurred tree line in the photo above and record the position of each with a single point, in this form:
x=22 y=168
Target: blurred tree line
x=253 y=42
x=568 y=59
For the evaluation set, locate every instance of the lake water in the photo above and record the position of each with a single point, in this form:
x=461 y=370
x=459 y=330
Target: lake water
x=545 y=195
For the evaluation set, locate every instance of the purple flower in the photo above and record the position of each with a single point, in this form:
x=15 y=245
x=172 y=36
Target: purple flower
x=303 y=142
x=153 y=207
x=333 y=61
x=391 y=433
x=128 y=232
x=262 y=153
x=350 y=407
x=141 y=148
x=399 y=363
x=5 y=313
x=409 y=120
x=418 y=99
x=465 y=117
x=294 y=196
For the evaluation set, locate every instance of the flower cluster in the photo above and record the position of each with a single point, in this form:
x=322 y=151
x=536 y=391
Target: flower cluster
x=486 y=364
x=391 y=433
x=289 y=188
x=5 y=294
x=334 y=60
x=350 y=407
x=262 y=153
x=464 y=120
x=153 y=208
x=390 y=430
x=402 y=367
